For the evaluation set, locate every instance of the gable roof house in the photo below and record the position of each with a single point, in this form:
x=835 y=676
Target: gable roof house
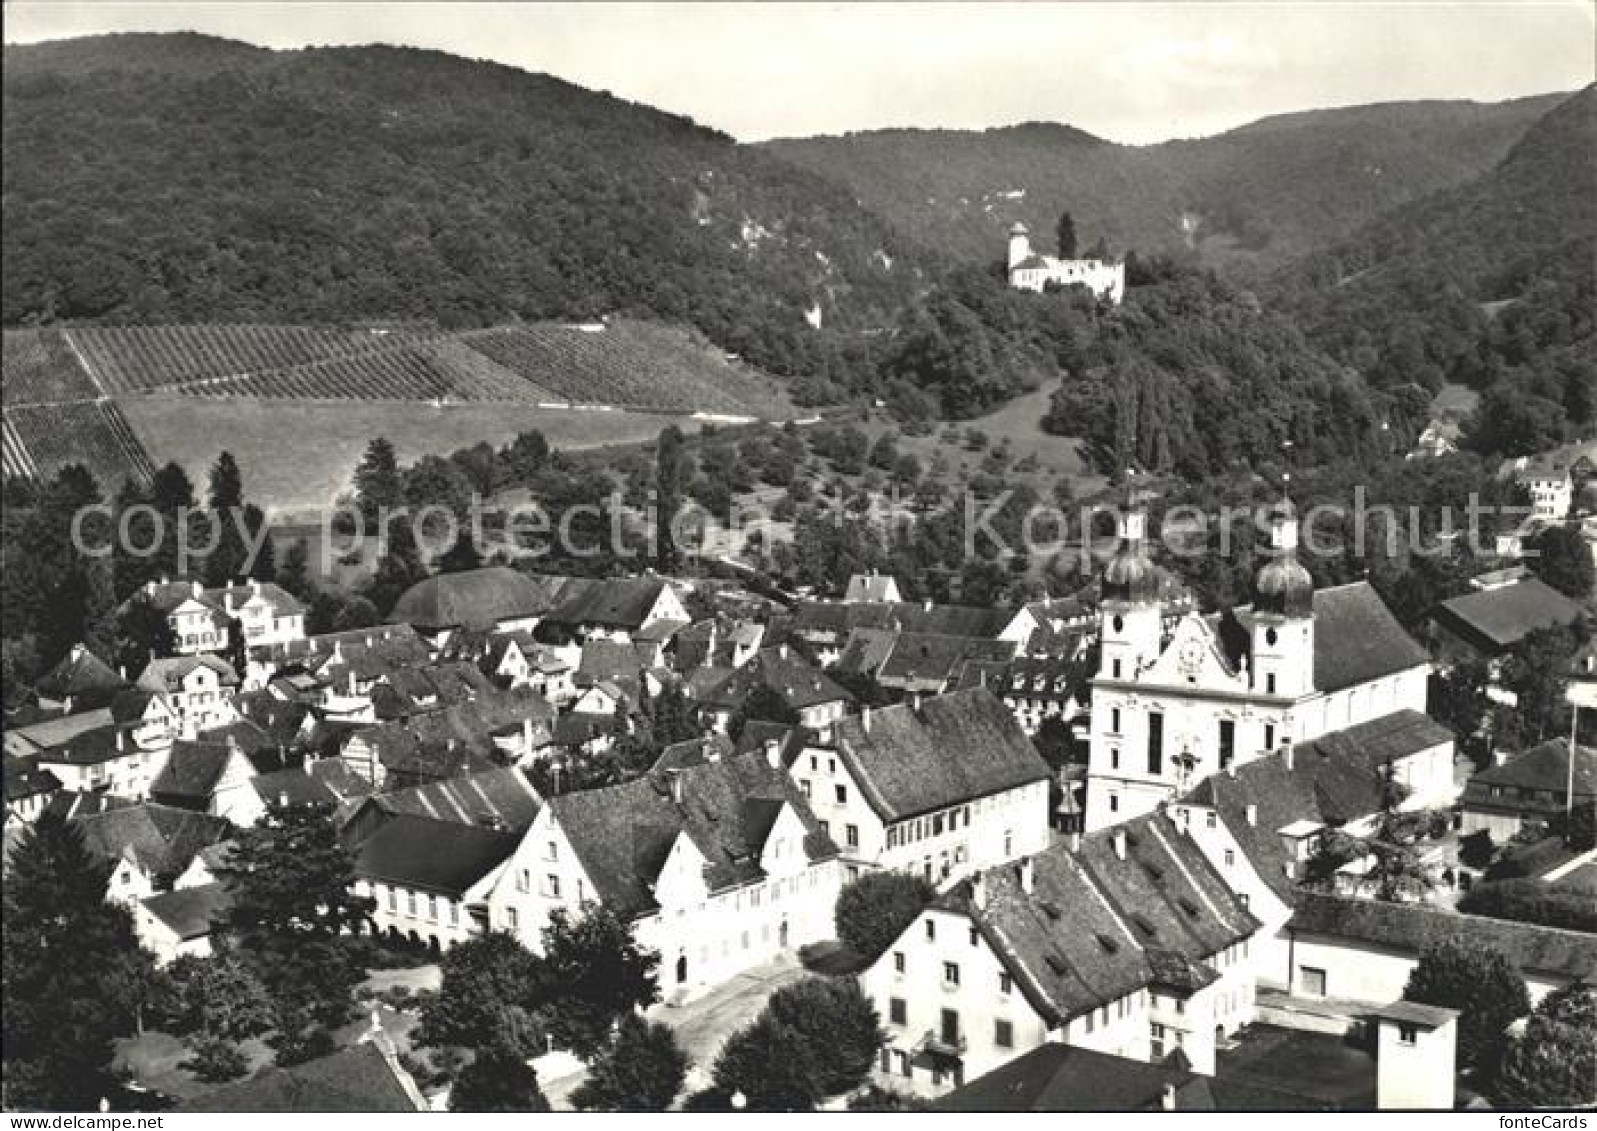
x=80 y=681
x=1488 y=624
x=1364 y=949
x=28 y=787
x=1530 y=788
x=493 y=598
x=209 y=777
x=941 y=788
x=430 y=878
x=481 y=734
x=174 y=923
x=199 y=689
x=805 y=692
x=719 y=864
x=114 y=758
x=501 y=799
x=365 y=1077
x=614 y=608
x=201 y=618
x=149 y=845
x=1127 y=943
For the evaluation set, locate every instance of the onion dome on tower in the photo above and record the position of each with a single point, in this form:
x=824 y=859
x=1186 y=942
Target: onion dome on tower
x=1131 y=575
x=1284 y=587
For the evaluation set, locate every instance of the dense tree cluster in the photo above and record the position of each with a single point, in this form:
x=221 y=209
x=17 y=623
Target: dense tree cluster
x=1483 y=986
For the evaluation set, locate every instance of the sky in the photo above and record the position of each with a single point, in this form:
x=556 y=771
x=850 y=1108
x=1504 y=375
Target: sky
x=1132 y=72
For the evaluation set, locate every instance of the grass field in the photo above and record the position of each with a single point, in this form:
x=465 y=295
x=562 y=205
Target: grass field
x=299 y=455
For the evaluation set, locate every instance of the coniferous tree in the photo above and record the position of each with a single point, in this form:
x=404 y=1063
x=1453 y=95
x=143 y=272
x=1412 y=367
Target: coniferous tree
x=294 y=576
x=74 y=975
x=1482 y=985
x=377 y=482
x=292 y=908
x=497 y=1080
x=1554 y=1062
x=1065 y=235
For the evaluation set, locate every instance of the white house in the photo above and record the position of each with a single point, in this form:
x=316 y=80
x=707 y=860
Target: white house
x=1128 y=944
x=119 y=760
x=943 y=788
x=199 y=690
x=201 y=618
x=1364 y=950
x=718 y=863
x=1031 y=272
x=1168 y=711
x=209 y=777
x=429 y=878
x=179 y=922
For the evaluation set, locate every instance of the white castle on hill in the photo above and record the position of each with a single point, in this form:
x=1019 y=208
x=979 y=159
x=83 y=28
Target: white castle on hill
x=1031 y=272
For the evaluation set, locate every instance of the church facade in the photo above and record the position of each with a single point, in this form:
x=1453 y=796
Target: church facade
x=1171 y=708
x=1031 y=272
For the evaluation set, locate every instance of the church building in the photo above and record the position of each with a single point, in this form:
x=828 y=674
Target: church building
x=1170 y=708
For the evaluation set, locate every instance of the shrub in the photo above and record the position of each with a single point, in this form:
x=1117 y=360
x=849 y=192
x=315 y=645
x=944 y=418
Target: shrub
x=640 y=1070
x=1482 y=985
x=215 y=1060
x=1531 y=901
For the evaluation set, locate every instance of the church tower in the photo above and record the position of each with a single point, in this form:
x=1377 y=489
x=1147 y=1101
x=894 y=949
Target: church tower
x=1130 y=627
x=1019 y=245
x=1282 y=623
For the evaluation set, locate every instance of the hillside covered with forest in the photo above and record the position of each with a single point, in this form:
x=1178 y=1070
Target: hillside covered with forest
x=1251 y=198
x=158 y=179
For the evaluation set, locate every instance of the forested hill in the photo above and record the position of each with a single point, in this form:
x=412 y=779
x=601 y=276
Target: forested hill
x=1490 y=283
x=161 y=178
x=1257 y=196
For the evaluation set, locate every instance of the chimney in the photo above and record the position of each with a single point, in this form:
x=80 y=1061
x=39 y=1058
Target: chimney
x=282 y=799
x=781 y=650
x=526 y=734
x=255 y=587
x=149 y=588
x=1119 y=841
x=773 y=753
x=66 y=705
x=1253 y=815
x=1167 y=1098
x=928 y=605
x=865 y=720
x=121 y=740
x=197 y=589
x=1028 y=876
x=978 y=891
x=1286 y=751
x=1075 y=840
x=915 y=702
x=675 y=778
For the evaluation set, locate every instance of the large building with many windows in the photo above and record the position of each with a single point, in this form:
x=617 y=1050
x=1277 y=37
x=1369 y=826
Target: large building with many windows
x=1170 y=708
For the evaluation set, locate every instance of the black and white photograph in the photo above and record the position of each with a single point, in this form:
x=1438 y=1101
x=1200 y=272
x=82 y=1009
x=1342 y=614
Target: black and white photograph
x=882 y=557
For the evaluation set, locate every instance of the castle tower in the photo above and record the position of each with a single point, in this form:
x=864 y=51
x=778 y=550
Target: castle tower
x=1019 y=245
x=1282 y=625
x=1129 y=614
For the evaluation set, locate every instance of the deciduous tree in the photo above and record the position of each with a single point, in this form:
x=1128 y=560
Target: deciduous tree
x=1482 y=985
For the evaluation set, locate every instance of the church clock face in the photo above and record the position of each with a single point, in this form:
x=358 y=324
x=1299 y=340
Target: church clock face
x=1190 y=658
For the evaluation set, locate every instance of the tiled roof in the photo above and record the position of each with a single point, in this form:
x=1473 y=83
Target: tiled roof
x=782 y=670
x=70 y=804
x=927 y=661
x=160 y=838
x=870 y=587
x=24 y=779
x=1497 y=619
x=952 y=749
x=1082 y=936
x=327 y=781
x=474 y=598
x=419 y=852
x=54 y=730
x=456 y=739
x=1059 y=1077
x=188 y=912
x=622 y=602
x=82 y=677
x=502 y=798
x=1411 y=927
x=622 y=834
x=192 y=771
x=837 y=620
x=694 y=752
x=356 y=1079
x=168 y=672
x=131 y=703
x=92 y=747
x=1356 y=637
x=1538 y=779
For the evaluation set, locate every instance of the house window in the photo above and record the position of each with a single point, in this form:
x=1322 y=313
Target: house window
x=898 y=962
x=410 y=904
x=1114 y=803
x=1312 y=981
x=1230 y=858
x=841 y=793
x=950 y=1027
x=551 y=851
x=1114 y=720
x=1009 y=842
x=1155 y=742
x=804 y=784
x=511 y=918
x=975 y=936
x=1407 y=1034
x=551 y=886
x=1269 y=736
x=1211 y=820
x=1114 y=759
x=1003 y=1034
x=1114 y=670
x=897 y=1012
x=1228 y=742
x=851 y=834
x=931 y=925
x=951 y=974
x=903 y=1062
x=524 y=881
x=1269 y=683
x=1005 y=983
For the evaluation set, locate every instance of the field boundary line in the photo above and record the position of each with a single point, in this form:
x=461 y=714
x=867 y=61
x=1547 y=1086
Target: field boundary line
x=83 y=360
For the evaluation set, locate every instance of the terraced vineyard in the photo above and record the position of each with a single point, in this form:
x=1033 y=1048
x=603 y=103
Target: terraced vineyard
x=39 y=439
x=638 y=365
x=433 y=371
x=131 y=359
x=39 y=367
